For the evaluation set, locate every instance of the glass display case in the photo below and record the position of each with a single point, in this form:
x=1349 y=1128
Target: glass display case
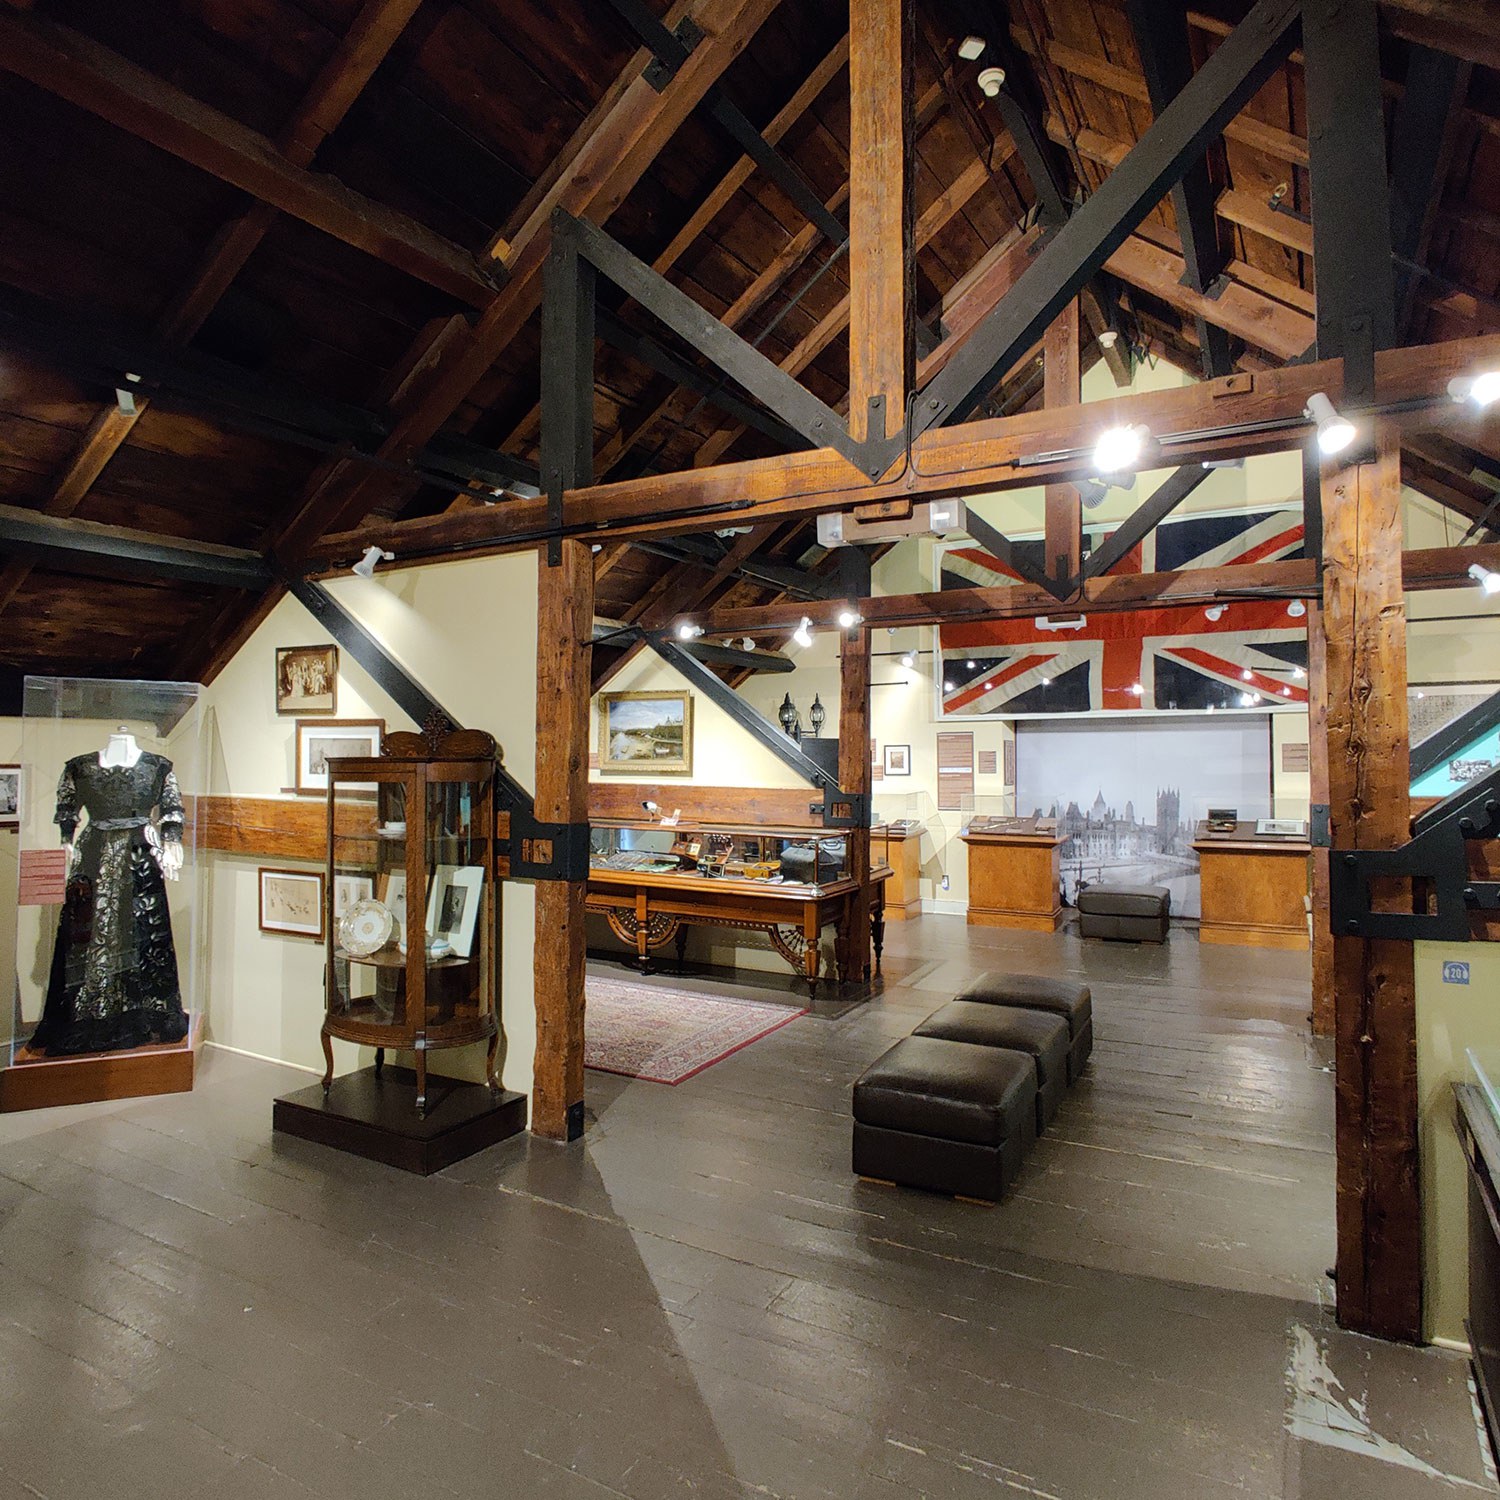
x=110 y=952
x=413 y=919
x=802 y=857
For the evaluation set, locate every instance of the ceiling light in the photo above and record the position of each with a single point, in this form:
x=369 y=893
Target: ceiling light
x=687 y=631
x=971 y=47
x=1488 y=581
x=1137 y=690
x=991 y=81
x=1482 y=389
x=1120 y=448
x=365 y=567
x=747 y=644
x=1246 y=675
x=1246 y=700
x=1046 y=682
x=849 y=618
x=1216 y=611
x=1335 y=432
x=1223 y=463
x=1298 y=673
x=1092 y=492
x=803 y=633
x=909 y=659
x=947 y=687
x=971 y=664
x=1296 y=609
x=988 y=686
x=1286 y=692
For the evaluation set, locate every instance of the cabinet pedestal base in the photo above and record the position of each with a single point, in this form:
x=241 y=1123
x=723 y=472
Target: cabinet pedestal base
x=376 y=1117
x=36 y=1081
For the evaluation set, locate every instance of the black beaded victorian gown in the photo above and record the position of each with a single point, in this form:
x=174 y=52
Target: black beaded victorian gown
x=114 y=970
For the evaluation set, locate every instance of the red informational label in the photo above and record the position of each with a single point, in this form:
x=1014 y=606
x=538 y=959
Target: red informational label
x=43 y=877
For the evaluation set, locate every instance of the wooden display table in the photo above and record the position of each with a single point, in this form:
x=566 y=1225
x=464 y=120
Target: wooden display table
x=904 y=893
x=649 y=910
x=1254 y=889
x=1014 y=880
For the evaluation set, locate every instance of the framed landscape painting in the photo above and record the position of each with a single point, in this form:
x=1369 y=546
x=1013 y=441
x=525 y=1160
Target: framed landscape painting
x=646 y=732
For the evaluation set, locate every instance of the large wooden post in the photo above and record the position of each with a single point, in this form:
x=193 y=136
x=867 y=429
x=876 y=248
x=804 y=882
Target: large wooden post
x=855 y=779
x=1061 y=376
x=1317 y=767
x=881 y=326
x=1364 y=619
x=565 y=621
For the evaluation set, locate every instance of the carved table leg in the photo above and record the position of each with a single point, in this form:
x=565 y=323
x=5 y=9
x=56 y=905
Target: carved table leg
x=328 y=1059
x=877 y=933
x=813 y=958
x=420 y=1053
x=682 y=936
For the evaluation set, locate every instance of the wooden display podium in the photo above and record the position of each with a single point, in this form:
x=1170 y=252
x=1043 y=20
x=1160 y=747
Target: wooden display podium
x=1014 y=880
x=36 y=1081
x=903 y=891
x=1254 y=889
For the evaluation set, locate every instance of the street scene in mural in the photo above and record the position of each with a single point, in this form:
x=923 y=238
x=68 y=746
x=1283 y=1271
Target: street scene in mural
x=1128 y=797
x=1226 y=654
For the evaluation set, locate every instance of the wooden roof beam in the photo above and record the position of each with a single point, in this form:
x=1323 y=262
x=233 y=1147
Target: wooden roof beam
x=90 y=76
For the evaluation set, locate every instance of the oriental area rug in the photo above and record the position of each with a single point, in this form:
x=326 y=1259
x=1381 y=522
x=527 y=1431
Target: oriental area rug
x=667 y=1035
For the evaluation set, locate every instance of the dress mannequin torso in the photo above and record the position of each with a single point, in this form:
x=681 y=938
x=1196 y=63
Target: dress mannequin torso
x=120 y=749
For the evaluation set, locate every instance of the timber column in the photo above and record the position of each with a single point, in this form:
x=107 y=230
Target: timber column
x=565 y=621
x=1374 y=992
x=856 y=780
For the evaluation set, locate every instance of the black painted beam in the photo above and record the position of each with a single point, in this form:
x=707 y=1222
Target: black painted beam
x=1161 y=38
x=567 y=395
x=77 y=546
x=1351 y=219
x=1080 y=248
x=713 y=654
x=998 y=545
x=717 y=691
x=1145 y=518
x=801 y=582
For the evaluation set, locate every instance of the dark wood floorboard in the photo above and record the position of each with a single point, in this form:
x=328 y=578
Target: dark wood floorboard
x=700 y=1301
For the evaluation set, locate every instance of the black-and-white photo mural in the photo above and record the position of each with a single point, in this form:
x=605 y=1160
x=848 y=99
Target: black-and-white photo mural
x=1128 y=796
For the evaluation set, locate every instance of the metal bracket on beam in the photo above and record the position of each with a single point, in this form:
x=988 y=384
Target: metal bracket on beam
x=842 y=810
x=660 y=71
x=547 y=851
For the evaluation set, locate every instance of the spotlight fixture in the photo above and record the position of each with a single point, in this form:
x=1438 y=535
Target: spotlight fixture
x=1120 y=448
x=971 y=47
x=1215 y=611
x=746 y=644
x=1482 y=389
x=1246 y=700
x=1223 y=463
x=991 y=81
x=1046 y=682
x=971 y=664
x=1286 y=692
x=1335 y=432
x=1136 y=690
x=803 y=633
x=365 y=567
x=1299 y=673
x=947 y=687
x=1296 y=609
x=1488 y=581
x=1246 y=675
x=1092 y=493
x=688 y=631
x=908 y=659
x=849 y=618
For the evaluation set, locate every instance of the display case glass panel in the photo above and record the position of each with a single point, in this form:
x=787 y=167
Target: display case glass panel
x=803 y=857
x=111 y=925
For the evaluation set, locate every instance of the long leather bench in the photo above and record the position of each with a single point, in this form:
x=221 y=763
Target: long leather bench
x=1134 y=913
x=1062 y=997
x=1038 y=1033
x=953 y=1117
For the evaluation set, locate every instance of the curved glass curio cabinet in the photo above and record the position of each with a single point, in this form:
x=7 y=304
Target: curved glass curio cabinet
x=413 y=927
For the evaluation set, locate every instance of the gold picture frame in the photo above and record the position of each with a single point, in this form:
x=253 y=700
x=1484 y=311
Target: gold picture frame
x=307 y=680
x=649 y=733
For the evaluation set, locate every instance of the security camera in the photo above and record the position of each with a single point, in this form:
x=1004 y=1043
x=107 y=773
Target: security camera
x=991 y=81
x=651 y=808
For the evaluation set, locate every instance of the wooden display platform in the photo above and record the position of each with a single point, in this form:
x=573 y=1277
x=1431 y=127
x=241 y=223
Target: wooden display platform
x=1254 y=890
x=1014 y=880
x=36 y=1081
x=377 y=1118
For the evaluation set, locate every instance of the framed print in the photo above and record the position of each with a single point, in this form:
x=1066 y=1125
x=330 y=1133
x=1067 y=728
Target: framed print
x=348 y=891
x=646 y=732
x=393 y=898
x=453 y=912
x=898 y=760
x=307 y=679
x=291 y=901
x=320 y=740
x=10 y=796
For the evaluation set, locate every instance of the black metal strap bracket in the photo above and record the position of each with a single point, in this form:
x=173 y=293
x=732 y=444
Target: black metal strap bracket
x=1435 y=860
x=840 y=809
x=547 y=851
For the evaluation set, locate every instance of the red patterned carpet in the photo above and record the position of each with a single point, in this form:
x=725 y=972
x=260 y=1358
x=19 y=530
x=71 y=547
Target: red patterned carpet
x=666 y=1035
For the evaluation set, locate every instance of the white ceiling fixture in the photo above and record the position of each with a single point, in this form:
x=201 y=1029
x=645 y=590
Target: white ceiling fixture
x=971 y=48
x=1335 y=432
x=365 y=567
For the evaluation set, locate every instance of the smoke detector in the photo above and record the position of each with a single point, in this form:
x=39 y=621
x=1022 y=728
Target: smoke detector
x=991 y=81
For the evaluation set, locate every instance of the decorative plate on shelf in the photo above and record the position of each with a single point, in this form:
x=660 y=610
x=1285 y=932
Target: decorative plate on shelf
x=366 y=927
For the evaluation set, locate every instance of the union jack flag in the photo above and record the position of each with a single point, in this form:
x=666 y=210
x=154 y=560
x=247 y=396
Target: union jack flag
x=1251 y=653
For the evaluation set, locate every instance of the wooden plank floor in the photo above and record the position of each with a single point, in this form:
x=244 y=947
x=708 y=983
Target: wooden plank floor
x=699 y=1300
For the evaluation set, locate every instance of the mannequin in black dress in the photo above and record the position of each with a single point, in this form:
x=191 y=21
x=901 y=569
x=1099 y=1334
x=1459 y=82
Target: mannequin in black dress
x=114 y=982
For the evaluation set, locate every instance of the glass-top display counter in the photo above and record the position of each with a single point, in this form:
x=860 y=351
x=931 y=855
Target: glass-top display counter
x=798 y=857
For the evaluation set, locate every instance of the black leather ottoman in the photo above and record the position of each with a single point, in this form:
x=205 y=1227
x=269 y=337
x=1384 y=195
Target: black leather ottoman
x=1063 y=997
x=1038 y=1032
x=1134 y=913
x=953 y=1117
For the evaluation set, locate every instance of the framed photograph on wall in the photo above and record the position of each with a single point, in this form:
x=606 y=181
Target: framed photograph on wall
x=10 y=796
x=319 y=740
x=898 y=760
x=453 y=912
x=307 y=679
x=291 y=901
x=646 y=732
